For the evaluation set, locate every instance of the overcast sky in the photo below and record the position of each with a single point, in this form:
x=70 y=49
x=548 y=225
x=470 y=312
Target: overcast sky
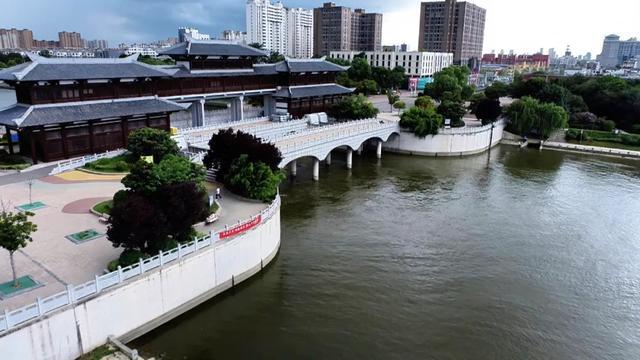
x=525 y=26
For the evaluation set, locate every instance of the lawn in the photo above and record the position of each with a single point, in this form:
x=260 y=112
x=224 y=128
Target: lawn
x=118 y=164
x=104 y=207
x=604 y=139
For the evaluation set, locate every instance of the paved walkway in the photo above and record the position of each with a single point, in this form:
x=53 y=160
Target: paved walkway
x=54 y=261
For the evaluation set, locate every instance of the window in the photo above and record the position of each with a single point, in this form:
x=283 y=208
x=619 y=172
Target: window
x=87 y=91
x=70 y=94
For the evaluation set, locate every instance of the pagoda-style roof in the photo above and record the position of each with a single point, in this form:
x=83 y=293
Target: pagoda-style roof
x=298 y=92
x=212 y=48
x=52 y=69
x=21 y=116
x=308 y=65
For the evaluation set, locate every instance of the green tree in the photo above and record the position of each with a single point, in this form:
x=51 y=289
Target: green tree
x=147 y=178
x=392 y=97
x=421 y=121
x=399 y=105
x=497 y=90
x=424 y=102
x=353 y=107
x=340 y=62
x=529 y=116
x=253 y=180
x=360 y=70
x=152 y=142
x=488 y=110
x=227 y=145
x=475 y=100
x=453 y=80
x=15 y=233
x=452 y=110
x=366 y=87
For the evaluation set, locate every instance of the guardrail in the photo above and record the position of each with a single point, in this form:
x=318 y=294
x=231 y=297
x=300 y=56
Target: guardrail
x=72 y=164
x=84 y=292
x=219 y=126
x=592 y=149
x=470 y=130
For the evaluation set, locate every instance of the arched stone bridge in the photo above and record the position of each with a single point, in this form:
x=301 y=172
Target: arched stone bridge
x=296 y=140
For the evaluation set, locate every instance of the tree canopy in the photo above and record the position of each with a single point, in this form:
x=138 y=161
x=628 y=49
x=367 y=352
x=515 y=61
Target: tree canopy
x=488 y=110
x=227 y=145
x=421 y=121
x=254 y=180
x=353 y=107
x=528 y=116
x=451 y=83
x=15 y=233
x=151 y=142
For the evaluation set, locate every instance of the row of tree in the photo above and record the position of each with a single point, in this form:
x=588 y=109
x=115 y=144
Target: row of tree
x=367 y=79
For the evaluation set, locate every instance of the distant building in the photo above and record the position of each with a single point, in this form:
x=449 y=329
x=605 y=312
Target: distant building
x=615 y=52
x=277 y=28
x=193 y=33
x=97 y=44
x=552 y=54
x=420 y=64
x=452 y=26
x=142 y=50
x=339 y=28
x=70 y=40
x=532 y=62
x=16 y=39
x=396 y=48
x=235 y=36
x=46 y=44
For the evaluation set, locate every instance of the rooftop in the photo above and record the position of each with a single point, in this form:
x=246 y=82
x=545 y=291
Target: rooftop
x=212 y=48
x=21 y=115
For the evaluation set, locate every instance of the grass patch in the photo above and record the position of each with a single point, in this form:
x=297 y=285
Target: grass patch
x=104 y=207
x=98 y=353
x=604 y=139
x=118 y=164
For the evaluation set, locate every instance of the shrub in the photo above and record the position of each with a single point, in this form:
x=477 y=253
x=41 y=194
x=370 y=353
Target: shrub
x=632 y=140
x=635 y=129
x=253 y=180
x=608 y=125
x=424 y=102
x=353 y=107
x=130 y=257
x=152 y=142
x=421 y=122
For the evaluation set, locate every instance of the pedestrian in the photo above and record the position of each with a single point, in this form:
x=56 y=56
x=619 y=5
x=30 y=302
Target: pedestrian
x=218 y=196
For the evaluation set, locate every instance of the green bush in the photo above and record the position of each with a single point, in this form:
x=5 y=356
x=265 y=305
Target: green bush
x=253 y=180
x=576 y=135
x=635 y=129
x=130 y=257
x=118 y=164
x=608 y=125
x=631 y=140
x=421 y=121
x=7 y=159
x=152 y=142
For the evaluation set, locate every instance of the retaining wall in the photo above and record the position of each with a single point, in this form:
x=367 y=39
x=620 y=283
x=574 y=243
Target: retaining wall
x=146 y=301
x=449 y=142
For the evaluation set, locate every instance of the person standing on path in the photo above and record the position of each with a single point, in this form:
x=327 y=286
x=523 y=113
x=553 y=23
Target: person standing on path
x=218 y=195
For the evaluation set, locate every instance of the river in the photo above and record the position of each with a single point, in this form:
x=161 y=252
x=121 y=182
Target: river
x=535 y=255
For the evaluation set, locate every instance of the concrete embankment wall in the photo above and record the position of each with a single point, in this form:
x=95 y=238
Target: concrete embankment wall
x=145 y=302
x=450 y=142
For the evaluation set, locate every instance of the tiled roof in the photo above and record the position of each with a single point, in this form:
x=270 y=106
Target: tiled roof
x=47 y=69
x=296 y=92
x=35 y=115
x=308 y=65
x=212 y=48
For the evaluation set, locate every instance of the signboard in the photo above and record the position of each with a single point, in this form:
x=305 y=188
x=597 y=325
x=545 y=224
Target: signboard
x=148 y=159
x=422 y=82
x=413 y=84
x=240 y=228
x=447 y=123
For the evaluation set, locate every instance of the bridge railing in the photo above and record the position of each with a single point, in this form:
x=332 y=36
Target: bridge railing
x=219 y=126
x=299 y=144
x=73 y=294
x=72 y=164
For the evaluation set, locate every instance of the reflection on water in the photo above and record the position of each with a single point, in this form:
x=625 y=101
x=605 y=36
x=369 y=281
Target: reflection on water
x=534 y=255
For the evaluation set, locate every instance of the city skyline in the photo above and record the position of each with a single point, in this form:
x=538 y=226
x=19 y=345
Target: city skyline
x=143 y=21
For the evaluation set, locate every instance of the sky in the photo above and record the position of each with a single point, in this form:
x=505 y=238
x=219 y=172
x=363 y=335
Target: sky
x=524 y=26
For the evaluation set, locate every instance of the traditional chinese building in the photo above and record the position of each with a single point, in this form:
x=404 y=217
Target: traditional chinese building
x=70 y=107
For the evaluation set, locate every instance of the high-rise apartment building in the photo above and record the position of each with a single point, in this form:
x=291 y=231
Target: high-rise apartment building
x=70 y=40
x=192 y=33
x=615 y=52
x=235 y=36
x=16 y=39
x=277 y=28
x=97 y=44
x=452 y=26
x=339 y=28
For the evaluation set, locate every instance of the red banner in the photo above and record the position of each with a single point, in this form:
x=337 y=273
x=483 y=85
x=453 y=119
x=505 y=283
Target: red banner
x=239 y=229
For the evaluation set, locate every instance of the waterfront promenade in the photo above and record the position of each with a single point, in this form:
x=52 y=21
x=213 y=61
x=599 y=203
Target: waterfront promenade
x=54 y=261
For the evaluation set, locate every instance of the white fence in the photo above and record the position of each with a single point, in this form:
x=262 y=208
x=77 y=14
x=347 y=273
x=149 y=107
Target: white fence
x=470 y=129
x=83 y=292
x=72 y=164
x=183 y=119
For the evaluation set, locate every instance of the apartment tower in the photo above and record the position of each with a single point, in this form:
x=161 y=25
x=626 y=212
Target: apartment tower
x=277 y=28
x=452 y=26
x=339 y=28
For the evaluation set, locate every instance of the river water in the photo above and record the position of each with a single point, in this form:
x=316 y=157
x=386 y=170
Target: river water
x=535 y=255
